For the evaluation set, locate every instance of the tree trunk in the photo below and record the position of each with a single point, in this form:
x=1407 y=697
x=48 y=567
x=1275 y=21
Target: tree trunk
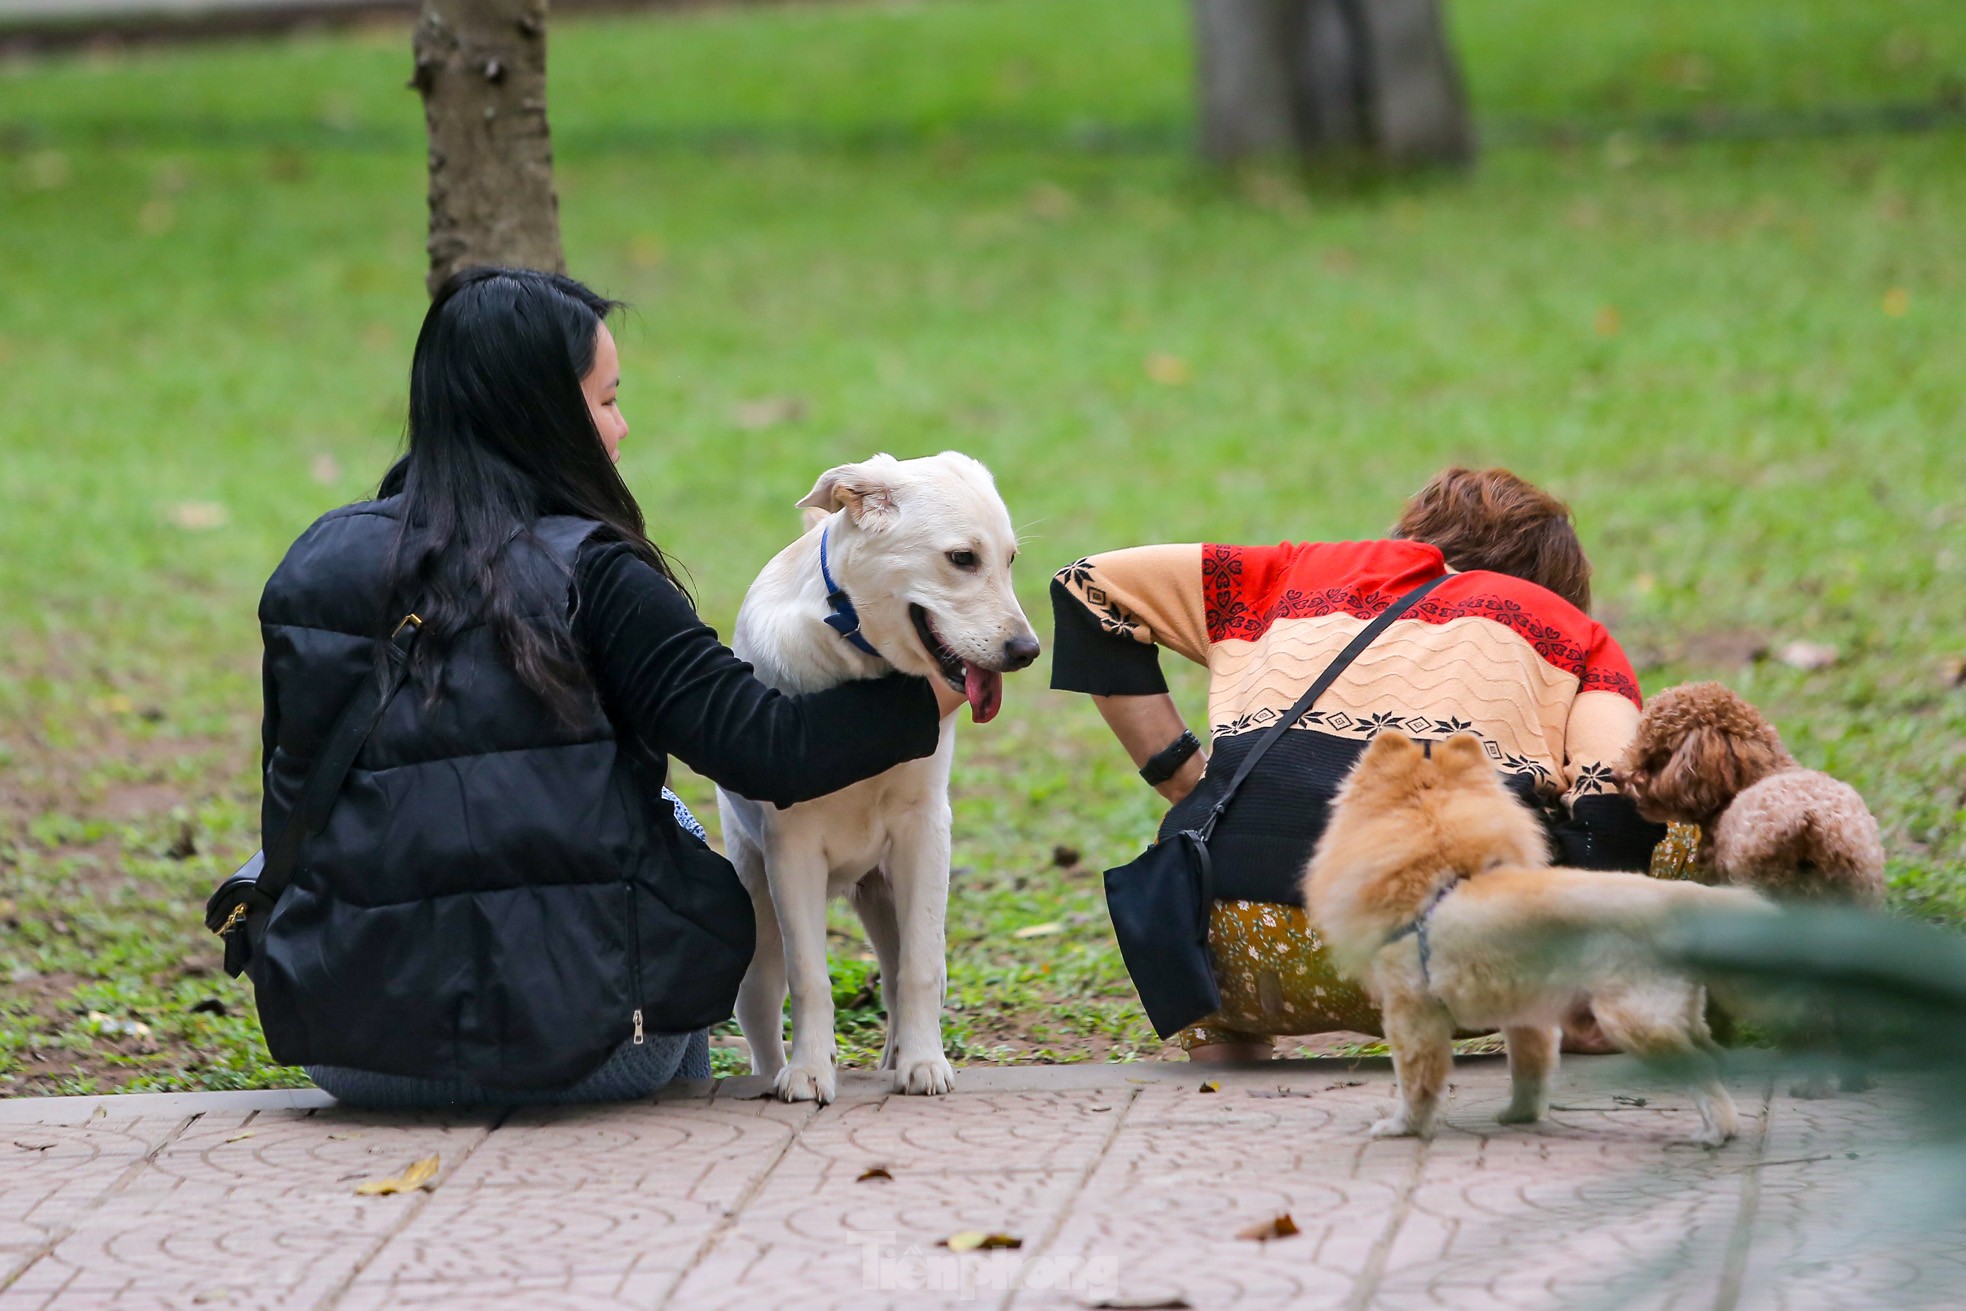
x=481 y=70
x=1330 y=80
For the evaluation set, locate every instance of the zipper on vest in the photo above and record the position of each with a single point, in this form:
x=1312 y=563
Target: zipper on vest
x=635 y=959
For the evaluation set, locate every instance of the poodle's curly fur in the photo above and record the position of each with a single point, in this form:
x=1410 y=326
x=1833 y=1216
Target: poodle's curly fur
x=1704 y=756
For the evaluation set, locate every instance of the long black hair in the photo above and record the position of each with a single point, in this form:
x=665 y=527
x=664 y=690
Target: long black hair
x=499 y=436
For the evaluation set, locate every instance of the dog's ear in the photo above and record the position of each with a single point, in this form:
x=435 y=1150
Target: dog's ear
x=1701 y=778
x=1460 y=753
x=866 y=490
x=1389 y=747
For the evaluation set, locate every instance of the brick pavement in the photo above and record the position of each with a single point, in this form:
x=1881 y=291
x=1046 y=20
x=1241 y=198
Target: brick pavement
x=1120 y=1180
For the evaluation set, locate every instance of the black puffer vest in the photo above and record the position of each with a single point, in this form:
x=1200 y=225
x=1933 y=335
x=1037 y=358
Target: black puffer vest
x=498 y=895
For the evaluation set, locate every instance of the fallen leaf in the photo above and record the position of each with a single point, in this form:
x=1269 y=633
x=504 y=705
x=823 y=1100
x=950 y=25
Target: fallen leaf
x=970 y=1240
x=32 y=1147
x=185 y=845
x=209 y=1006
x=1143 y=1302
x=1896 y=302
x=325 y=470
x=240 y=1137
x=1807 y=655
x=1048 y=200
x=1168 y=370
x=767 y=412
x=1064 y=857
x=1624 y=1099
x=1210 y=1085
x=1098 y=1108
x=1955 y=674
x=1044 y=930
x=1278 y=1226
x=1608 y=321
x=645 y=250
x=198 y=516
x=46 y=170
x=156 y=217
x=873 y=1172
x=419 y=1174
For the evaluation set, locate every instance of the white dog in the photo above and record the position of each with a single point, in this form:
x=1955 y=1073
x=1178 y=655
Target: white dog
x=905 y=565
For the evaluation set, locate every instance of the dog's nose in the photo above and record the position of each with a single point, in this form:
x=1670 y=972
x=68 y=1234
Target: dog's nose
x=1020 y=651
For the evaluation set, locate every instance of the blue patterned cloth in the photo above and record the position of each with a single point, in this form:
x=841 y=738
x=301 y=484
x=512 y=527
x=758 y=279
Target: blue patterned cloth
x=630 y=1073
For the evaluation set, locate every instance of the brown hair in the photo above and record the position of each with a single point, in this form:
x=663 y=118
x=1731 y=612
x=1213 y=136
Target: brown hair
x=1491 y=519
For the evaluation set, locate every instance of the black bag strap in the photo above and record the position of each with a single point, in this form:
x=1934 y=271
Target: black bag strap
x=1273 y=734
x=344 y=742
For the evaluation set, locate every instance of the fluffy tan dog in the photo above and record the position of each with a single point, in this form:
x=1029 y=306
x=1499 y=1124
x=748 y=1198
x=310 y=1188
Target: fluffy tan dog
x=1704 y=756
x=1432 y=886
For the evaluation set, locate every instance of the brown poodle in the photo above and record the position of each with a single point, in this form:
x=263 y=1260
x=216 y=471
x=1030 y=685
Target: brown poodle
x=1704 y=756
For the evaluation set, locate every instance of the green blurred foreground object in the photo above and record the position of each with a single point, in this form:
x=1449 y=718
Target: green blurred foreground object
x=1699 y=286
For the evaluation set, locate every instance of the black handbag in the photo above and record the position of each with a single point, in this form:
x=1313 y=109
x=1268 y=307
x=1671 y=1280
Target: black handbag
x=1161 y=900
x=238 y=908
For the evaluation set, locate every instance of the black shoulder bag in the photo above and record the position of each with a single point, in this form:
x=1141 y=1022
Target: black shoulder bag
x=1161 y=901
x=237 y=911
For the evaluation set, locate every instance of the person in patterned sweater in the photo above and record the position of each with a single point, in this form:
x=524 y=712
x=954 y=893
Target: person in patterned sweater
x=1505 y=648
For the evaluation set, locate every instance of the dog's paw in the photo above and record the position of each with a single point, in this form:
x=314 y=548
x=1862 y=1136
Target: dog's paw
x=1812 y=1090
x=799 y=1083
x=1712 y=1138
x=1514 y=1113
x=1395 y=1125
x=925 y=1078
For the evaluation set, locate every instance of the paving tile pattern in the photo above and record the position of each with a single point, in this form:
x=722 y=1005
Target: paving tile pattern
x=1120 y=1181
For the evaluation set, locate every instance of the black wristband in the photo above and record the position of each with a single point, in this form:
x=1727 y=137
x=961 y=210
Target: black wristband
x=1165 y=763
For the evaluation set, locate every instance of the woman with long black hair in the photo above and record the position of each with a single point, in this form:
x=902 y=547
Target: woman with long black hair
x=501 y=905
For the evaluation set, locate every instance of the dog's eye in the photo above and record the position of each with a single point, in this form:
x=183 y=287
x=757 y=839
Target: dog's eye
x=963 y=559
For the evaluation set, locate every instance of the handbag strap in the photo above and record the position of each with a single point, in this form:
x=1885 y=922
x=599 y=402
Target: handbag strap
x=358 y=720
x=1275 y=732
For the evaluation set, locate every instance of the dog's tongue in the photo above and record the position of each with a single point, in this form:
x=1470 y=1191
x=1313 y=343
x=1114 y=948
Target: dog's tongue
x=984 y=688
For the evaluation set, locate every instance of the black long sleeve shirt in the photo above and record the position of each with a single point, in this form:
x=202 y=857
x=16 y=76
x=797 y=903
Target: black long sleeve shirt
x=670 y=684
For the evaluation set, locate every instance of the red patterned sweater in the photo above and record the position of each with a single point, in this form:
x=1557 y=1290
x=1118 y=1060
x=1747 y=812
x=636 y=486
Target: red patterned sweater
x=1544 y=686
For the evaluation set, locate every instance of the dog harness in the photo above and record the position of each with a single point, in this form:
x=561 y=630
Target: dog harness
x=1417 y=927
x=845 y=620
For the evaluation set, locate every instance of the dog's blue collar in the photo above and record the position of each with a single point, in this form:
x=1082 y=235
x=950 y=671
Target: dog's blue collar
x=1417 y=927
x=844 y=619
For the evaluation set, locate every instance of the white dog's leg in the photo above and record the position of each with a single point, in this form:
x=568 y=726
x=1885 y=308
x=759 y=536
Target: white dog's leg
x=873 y=900
x=918 y=875
x=1533 y=1053
x=798 y=895
x=761 y=997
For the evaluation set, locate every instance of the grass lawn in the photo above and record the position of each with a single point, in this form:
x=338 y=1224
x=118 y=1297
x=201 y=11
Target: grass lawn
x=974 y=224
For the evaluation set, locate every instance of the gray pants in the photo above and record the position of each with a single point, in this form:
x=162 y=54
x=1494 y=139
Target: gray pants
x=631 y=1074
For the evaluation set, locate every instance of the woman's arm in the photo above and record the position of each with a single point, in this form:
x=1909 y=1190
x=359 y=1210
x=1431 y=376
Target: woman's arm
x=1145 y=725
x=1111 y=615
x=666 y=678
x=1604 y=829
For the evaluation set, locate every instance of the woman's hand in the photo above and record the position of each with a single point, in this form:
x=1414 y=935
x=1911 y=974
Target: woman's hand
x=1146 y=724
x=947 y=699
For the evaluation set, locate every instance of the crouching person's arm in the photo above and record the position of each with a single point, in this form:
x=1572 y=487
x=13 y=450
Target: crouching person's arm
x=1111 y=615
